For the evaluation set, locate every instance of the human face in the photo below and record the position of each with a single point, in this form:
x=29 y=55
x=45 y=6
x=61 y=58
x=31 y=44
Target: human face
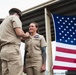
x=32 y=28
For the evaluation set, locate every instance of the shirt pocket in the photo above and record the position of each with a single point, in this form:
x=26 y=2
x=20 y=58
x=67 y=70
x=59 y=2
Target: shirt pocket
x=36 y=42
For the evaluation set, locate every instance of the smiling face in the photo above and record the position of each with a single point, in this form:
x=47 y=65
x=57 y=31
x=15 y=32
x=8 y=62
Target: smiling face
x=33 y=28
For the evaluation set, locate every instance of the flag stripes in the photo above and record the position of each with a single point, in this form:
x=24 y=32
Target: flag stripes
x=65 y=38
x=65 y=50
x=71 y=60
x=64 y=68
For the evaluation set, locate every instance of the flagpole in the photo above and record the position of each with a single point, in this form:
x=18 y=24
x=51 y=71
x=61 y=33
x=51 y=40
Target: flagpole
x=49 y=46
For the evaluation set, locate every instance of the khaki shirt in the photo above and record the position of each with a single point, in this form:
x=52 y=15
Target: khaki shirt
x=10 y=42
x=8 y=34
x=33 y=46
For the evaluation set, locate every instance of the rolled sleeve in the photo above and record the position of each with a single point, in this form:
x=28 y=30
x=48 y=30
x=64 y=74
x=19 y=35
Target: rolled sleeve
x=16 y=22
x=43 y=42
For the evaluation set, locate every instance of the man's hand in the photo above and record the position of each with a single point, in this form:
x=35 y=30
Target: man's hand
x=43 y=67
x=27 y=34
x=20 y=33
x=24 y=69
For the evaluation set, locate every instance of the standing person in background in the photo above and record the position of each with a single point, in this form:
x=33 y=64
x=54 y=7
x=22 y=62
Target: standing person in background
x=10 y=37
x=35 y=52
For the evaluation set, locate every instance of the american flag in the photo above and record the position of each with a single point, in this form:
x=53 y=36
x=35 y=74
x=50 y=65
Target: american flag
x=65 y=38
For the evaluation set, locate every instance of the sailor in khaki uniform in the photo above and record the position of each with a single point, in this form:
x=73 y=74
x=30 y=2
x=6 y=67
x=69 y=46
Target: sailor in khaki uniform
x=10 y=37
x=35 y=55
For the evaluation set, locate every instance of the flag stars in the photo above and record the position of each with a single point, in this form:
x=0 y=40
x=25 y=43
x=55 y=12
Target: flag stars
x=62 y=31
x=63 y=22
x=70 y=30
x=65 y=40
x=69 y=24
x=59 y=33
x=59 y=28
x=60 y=20
x=71 y=21
x=62 y=17
x=68 y=38
x=67 y=18
x=74 y=39
x=60 y=39
x=71 y=35
x=71 y=41
x=75 y=24
x=66 y=26
x=66 y=29
x=57 y=17
x=63 y=37
x=73 y=18
x=72 y=27
x=65 y=34
x=62 y=26
x=73 y=32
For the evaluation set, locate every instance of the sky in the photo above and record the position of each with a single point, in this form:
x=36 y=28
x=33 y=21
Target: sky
x=6 y=5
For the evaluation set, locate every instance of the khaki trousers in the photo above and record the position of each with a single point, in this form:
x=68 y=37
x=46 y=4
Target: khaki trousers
x=11 y=68
x=33 y=66
x=34 y=71
x=11 y=60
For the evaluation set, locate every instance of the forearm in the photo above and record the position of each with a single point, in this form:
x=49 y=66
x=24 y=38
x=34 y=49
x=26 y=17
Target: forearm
x=43 y=55
x=25 y=58
x=20 y=33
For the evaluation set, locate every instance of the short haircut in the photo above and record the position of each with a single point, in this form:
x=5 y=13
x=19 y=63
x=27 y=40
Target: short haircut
x=15 y=10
